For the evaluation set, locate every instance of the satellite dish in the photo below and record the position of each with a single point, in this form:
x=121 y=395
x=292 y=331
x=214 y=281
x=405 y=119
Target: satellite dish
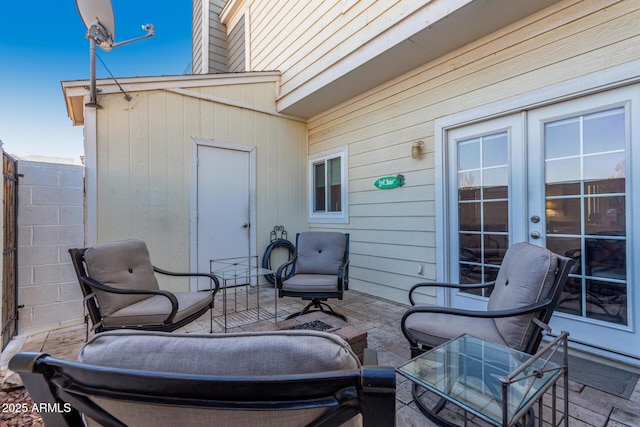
x=99 y=13
x=97 y=16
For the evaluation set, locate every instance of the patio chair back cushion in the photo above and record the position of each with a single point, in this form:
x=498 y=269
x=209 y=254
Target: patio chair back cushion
x=124 y=265
x=320 y=252
x=525 y=277
x=261 y=355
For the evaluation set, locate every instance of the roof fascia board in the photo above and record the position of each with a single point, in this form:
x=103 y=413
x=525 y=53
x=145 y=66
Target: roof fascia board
x=78 y=87
x=230 y=10
x=76 y=91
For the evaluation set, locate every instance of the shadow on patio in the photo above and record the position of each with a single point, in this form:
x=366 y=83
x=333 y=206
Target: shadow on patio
x=380 y=318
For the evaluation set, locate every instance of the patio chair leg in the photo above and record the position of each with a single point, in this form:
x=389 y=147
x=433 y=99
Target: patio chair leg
x=317 y=305
x=430 y=413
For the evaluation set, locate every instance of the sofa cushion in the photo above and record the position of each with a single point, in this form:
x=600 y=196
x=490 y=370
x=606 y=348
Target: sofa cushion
x=320 y=252
x=124 y=265
x=242 y=354
x=525 y=277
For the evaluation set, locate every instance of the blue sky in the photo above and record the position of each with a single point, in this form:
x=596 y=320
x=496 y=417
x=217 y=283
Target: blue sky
x=43 y=42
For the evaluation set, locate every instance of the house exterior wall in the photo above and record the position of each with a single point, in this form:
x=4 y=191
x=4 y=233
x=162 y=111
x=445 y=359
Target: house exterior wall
x=302 y=39
x=236 y=53
x=393 y=231
x=143 y=173
x=50 y=221
x=210 y=57
x=197 y=34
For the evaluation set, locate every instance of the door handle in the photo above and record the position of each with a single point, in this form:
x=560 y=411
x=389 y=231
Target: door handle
x=245 y=225
x=535 y=235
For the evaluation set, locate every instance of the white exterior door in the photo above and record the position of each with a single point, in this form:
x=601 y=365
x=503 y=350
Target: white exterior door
x=581 y=155
x=564 y=184
x=224 y=206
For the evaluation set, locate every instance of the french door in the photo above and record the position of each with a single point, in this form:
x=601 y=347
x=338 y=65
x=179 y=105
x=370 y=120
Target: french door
x=559 y=177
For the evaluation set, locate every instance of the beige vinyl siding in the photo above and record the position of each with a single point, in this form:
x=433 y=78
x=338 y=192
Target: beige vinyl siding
x=143 y=165
x=392 y=231
x=196 y=38
x=236 y=55
x=217 y=38
x=211 y=31
x=304 y=38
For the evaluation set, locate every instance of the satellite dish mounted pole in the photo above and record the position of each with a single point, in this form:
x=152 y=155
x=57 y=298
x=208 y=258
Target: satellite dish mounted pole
x=96 y=34
x=101 y=33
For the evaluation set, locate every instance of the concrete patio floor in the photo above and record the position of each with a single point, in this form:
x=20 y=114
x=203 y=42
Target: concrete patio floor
x=381 y=320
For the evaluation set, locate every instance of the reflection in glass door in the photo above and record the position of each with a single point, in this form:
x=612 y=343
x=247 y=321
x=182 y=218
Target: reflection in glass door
x=483 y=206
x=585 y=207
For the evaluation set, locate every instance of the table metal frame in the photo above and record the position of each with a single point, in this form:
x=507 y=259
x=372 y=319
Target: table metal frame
x=532 y=368
x=232 y=270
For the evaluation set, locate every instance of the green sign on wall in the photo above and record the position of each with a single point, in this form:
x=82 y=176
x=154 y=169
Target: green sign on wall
x=388 y=182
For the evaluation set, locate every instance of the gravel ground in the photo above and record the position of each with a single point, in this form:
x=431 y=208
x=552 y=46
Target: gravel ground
x=16 y=409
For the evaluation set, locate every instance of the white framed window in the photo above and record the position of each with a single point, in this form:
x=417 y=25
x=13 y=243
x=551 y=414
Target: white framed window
x=328 y=187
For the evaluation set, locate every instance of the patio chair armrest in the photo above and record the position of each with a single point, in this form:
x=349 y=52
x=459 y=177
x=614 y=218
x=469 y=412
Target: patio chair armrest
x=379 y=396
x=94 y=284
x=526 y=309
x=283 y=270
x=342 y=276
x=447 y=285
x=213 y=277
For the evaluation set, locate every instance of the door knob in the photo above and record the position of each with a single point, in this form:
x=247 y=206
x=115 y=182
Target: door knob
x=535 y=235
x=245 y=225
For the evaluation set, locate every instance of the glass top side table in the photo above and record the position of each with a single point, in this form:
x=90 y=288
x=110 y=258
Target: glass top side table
x=242 y=271
x=493 y=382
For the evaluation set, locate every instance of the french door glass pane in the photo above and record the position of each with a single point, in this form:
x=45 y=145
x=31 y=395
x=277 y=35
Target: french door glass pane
x=483 y=206
x=586 y=211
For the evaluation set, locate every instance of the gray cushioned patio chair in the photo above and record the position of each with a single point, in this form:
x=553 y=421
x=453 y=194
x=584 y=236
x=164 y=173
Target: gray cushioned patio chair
x=140 y=378
x=121 y=291
x=523 y=298
x=317 y=271
x=527 y=287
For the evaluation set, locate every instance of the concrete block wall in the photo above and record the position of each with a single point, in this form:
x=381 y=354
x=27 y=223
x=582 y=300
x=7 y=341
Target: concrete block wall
x=50 y=221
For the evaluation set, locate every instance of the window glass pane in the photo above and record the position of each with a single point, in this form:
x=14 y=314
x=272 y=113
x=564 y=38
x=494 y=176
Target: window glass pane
x=563 y=215
x=495 y=150
x=571 y=297
x=469 y=154
x=469 y=185
x=604 y=131
x=334 y=196
x=607 y=301
x=562 y=189
x=604 y=167
x=606 y=258
x=496 y=216
x=469 y=217
x=562 y=138
x=319 y=188
x=495 y=246
x=562 y=171
x=470 y=248
x=605 y=216
x=496 y=183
